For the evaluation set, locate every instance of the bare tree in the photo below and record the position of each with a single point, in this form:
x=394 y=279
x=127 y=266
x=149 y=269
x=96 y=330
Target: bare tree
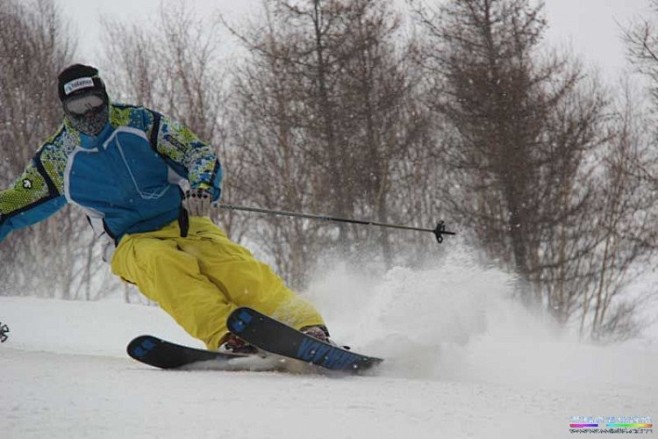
x=481 y=56
x=641 y=40
x=328 y=123
x=626 y=214
x=173 y=68
x=132 y=65
x=541 y=162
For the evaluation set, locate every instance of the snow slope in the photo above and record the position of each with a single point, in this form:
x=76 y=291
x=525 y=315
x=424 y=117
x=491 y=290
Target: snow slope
x=462 y=360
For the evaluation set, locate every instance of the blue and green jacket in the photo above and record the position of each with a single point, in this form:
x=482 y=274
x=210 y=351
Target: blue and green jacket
x=128 y=179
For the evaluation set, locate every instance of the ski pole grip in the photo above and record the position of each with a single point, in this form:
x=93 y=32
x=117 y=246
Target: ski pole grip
x=183 y=222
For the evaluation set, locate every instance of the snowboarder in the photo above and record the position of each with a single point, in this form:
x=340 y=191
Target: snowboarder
x=147 y=184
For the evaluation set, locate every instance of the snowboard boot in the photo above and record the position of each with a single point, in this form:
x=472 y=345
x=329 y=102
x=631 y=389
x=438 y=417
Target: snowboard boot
x=236 y=345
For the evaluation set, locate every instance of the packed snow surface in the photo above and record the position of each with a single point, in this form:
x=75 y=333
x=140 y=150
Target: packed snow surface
x=463 y=360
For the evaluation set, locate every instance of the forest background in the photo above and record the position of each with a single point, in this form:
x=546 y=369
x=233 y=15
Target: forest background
x=372 y=109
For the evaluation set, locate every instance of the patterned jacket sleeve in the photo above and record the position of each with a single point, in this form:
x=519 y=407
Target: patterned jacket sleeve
x=197 y=159
x=33 y=197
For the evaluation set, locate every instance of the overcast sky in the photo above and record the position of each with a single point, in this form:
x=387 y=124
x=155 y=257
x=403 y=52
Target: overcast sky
x=588 y=27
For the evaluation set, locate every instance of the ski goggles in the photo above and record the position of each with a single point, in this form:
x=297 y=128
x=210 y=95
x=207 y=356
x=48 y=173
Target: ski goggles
x=81 y=104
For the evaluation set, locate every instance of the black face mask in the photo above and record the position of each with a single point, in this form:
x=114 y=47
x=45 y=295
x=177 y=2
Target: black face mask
x=88 y=113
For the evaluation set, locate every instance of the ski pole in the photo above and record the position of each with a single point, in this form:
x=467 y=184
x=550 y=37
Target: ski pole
x=438 y=231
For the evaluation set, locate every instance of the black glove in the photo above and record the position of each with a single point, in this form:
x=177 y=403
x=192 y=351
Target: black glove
x=197 y=202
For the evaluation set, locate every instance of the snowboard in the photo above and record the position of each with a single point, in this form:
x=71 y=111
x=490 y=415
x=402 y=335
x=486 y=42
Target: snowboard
x=278 y=338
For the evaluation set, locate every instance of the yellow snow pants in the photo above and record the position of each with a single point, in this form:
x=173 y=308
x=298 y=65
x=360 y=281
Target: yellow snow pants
x=200 y=279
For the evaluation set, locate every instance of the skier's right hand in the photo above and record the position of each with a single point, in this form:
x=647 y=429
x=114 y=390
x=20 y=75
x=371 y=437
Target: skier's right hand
x=197 y=202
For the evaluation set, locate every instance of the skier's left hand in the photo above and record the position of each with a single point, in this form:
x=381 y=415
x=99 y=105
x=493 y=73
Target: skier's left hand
x=197 y=202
